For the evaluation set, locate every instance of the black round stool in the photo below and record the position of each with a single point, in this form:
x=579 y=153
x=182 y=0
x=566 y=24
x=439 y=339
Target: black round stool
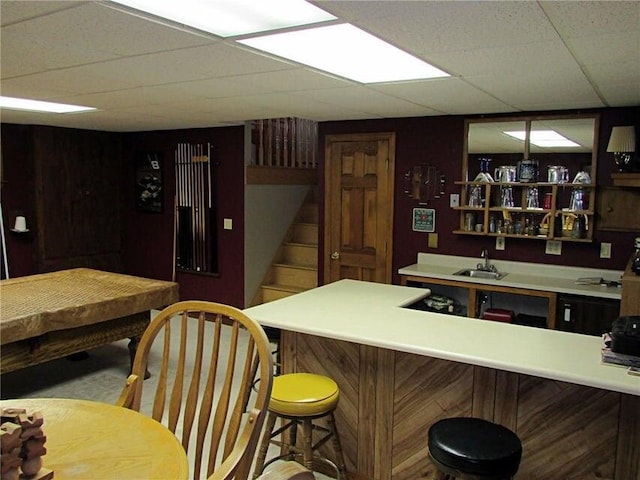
x=473 y=448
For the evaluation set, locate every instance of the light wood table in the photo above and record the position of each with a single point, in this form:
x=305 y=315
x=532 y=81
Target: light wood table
x=101 y=441
x=52 y=315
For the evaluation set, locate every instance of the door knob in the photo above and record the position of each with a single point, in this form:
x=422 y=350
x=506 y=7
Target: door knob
x=335 y=256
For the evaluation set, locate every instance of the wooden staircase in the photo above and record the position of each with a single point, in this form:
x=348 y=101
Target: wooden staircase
x=295 y=266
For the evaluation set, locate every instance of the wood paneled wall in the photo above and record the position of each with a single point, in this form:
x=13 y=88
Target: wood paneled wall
x=390 y=399
x=78 y=199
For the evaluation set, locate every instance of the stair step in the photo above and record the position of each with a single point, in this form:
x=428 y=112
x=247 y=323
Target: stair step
x=295 y=275
x=274 y=291
x=300 y=254
x=309 y=213
x=305 y=233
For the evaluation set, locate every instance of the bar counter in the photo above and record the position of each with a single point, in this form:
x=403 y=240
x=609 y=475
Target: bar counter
x=400 y=370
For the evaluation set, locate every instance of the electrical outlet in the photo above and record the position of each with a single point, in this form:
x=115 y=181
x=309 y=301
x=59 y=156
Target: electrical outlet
x=605 y=250
x=454 y=200
x=228 y=224
x=499 y=243
x=553 y=247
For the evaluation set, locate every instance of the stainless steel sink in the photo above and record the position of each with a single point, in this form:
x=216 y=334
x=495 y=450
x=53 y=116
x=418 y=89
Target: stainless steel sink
x=475 y=273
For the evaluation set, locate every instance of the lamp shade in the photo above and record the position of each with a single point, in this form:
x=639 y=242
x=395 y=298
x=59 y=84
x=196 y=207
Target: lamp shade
x=623 y=139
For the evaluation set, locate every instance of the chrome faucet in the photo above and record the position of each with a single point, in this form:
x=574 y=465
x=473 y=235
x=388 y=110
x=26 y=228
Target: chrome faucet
x=486 y=266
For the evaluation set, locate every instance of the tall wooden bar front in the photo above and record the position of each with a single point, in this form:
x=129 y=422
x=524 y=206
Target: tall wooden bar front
x=389 y=399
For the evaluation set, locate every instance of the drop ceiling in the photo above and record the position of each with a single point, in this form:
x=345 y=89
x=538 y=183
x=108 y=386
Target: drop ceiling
x=144 y=74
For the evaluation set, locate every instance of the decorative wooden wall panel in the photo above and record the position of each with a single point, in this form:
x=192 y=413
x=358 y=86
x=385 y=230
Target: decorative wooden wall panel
x=628 y=451
x=566 y=430
x=426 y=390
x=78 y=178
x=390 y=399
x=340 y=361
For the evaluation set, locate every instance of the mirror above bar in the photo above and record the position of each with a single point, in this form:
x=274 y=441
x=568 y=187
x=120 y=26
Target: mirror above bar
x=529 y=177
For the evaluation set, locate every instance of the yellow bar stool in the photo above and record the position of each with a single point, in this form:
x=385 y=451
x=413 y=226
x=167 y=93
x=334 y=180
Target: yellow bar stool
x=302 y=398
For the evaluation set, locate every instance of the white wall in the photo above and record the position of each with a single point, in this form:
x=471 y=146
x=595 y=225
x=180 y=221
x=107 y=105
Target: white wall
x=269 y=211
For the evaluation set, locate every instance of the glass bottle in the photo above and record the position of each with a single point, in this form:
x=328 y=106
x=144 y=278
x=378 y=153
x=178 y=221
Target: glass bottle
x=635 y=265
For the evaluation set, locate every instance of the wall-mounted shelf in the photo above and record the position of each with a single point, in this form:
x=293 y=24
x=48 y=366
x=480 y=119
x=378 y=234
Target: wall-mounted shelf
x=526 y=207
x=626 y=179
x=560 y=193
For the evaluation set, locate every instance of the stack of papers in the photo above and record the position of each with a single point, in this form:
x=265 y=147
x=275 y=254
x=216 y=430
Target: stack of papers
x=615 y=358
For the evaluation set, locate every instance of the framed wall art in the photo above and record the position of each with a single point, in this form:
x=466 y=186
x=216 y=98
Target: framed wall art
x=424 y=220
x=148 y=177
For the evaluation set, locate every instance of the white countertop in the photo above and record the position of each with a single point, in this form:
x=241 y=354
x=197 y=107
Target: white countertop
x=371 y=314
x=530 y=276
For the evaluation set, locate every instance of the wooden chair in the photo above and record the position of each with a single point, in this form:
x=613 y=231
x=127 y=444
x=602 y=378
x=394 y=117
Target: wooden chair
x=200 y=383
x=288 y=471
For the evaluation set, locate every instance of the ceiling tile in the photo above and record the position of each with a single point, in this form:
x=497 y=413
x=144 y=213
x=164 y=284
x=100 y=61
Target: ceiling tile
x=506 y=59
x=288 y=80
x=609 y=48
x=621 y=95
x=302 y=105
x=195 y=63
x=627 y=72
x=576 y=19
x=448 y=95
x=505 y=56
x=531 y=89
x=423 y=27
x=71 y=81
x=225 y=109
x=133 y=97
x=367 y=100
x=12 y=11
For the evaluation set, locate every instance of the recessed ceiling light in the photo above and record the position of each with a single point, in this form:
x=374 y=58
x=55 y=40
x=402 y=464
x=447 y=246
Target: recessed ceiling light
x=227 y=18
x=544 y=138
x=347 y=51
x=12 y=103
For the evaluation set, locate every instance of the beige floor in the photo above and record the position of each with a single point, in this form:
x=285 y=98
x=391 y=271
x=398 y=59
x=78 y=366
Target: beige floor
x=99 y=377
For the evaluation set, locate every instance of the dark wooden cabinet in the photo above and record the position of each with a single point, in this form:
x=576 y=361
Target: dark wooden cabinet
x=78 y=176
x=630 y=303
x=586 y=315
x=626 y=180
x=618 y=209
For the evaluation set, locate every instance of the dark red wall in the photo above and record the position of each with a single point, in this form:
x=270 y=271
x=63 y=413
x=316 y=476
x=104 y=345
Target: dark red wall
x=147 y=237
x=18 y=198
x=148 y=240
x=438 y=141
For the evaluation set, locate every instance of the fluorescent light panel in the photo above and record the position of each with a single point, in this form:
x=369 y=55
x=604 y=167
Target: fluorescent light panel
x=346 y=51
x=227 y=18
x=544 y=138
x=12 y=103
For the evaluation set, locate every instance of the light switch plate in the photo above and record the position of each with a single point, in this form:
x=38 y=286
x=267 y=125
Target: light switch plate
x=605 y=250
x=433 y=240
x=454 y=200
x=499 y=243
x=228 y=224
x=554 y=247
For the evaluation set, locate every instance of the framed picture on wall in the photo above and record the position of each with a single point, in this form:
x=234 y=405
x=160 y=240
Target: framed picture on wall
x=424 y=220
x=148 y=187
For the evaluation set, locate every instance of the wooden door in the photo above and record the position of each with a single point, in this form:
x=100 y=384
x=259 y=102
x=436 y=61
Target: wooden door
x=78 y=177
x=359 y=173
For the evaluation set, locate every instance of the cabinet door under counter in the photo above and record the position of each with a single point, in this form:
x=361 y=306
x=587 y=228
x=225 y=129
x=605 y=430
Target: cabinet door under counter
x=586 y=315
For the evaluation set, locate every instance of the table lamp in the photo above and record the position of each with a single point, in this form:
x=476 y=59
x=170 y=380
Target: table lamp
x=622 y=143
